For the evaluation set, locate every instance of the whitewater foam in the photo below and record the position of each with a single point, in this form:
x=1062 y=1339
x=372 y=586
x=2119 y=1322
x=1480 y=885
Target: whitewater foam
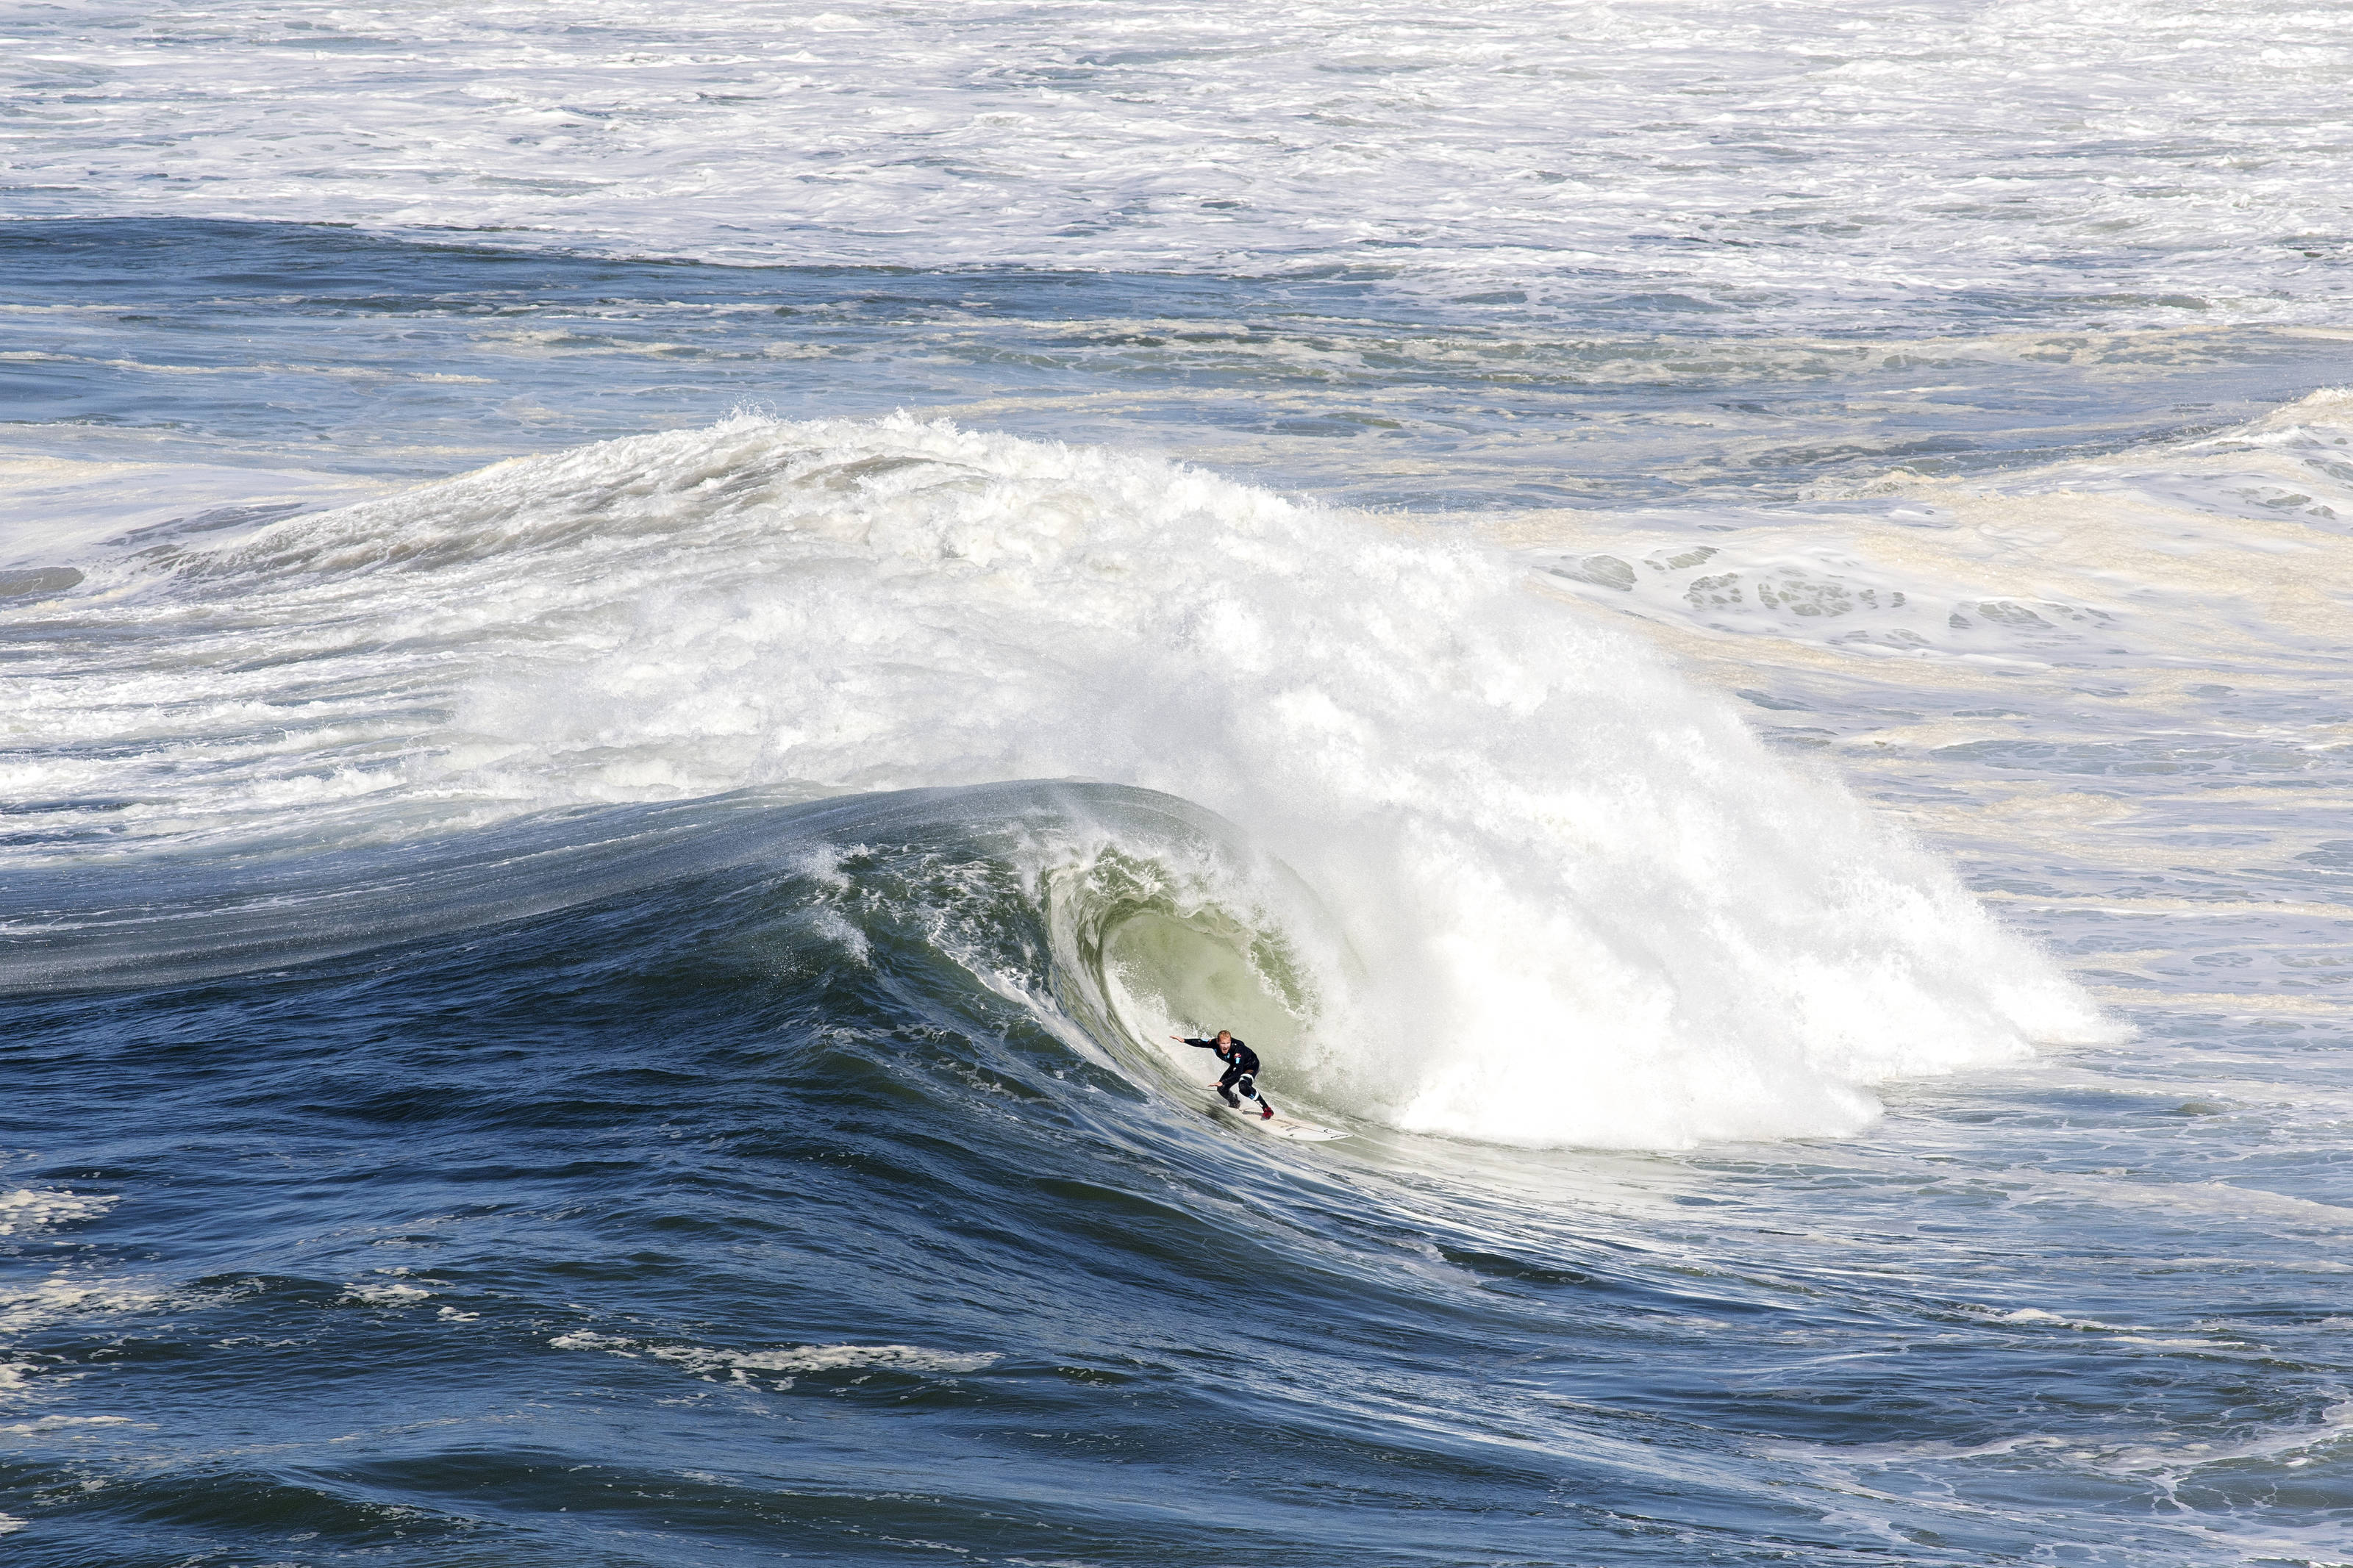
x=1798 y=160
x=29 y=1210
x=2092 y=679
x=2173 y=560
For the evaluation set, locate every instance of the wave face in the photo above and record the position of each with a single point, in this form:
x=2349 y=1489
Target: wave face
x=1566 y=897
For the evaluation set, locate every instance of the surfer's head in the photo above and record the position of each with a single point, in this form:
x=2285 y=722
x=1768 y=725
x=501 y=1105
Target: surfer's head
x=1225 y=1036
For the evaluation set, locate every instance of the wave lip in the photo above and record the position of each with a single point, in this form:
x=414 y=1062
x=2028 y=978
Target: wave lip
x=1571 y=898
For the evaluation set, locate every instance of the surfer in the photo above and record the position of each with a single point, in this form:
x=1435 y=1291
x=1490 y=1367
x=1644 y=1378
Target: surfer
x=1241 y=1071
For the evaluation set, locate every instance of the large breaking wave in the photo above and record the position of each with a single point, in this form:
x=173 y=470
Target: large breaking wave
x=1484 y=863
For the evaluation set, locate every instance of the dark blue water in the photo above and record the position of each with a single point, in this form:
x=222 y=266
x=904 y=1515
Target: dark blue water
x=717 y=1214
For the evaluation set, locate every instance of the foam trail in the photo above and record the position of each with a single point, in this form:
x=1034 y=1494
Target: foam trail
x=1578 y=902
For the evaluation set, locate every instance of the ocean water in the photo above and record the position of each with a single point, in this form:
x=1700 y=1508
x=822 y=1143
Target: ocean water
x=649 y=655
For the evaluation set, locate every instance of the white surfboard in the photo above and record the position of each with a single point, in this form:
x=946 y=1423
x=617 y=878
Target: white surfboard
x=1275 y=1126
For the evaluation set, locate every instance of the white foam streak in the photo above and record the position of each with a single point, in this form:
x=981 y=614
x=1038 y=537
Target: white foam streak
x=710 y=1362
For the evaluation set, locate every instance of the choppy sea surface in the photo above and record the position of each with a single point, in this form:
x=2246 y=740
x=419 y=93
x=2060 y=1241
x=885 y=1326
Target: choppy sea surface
x=645 y=658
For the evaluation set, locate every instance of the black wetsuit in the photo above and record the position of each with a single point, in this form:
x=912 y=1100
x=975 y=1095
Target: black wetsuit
x=1241 y=1071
